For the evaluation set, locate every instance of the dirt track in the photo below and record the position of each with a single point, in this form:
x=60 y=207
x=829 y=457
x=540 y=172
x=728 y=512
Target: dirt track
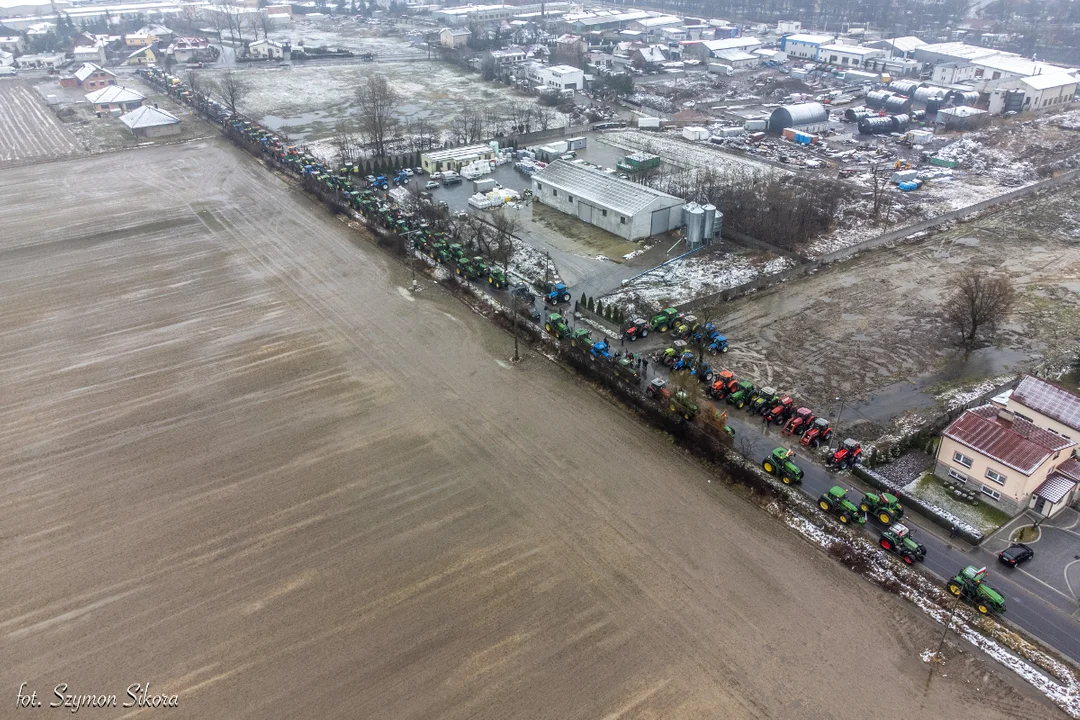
x=240 y=462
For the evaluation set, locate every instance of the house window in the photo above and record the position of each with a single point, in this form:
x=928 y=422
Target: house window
x=992 y=493
x=995 y=476
x=962 y=459
x=622 y=219
x=539 y=187
x=959 y=476
x=554 y=193
x=604 y=212
x=570 y=198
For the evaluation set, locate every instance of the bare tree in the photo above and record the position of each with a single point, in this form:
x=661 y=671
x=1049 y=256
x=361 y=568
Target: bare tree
x=544 y=115
x=978 y=303
x=880 y=186
x=505 y=226
x=346 y=143
x=232 y=89
x=377 y=100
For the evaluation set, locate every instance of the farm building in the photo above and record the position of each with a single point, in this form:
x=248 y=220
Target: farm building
x=151 y=122
x=455 y=158
x=454 y=37
x=266 y=49
x=802 y=45
x=621 y=207
x=114 y=97
x=707 y=49
x=809 y=117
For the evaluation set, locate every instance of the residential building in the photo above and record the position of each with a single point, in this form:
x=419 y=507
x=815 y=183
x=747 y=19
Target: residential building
x=43 y=61
x=848 y=55
x=454 y=37
x=13 y=44
x=184 y=49
x=266 y=49
x=141 y=56
x=571 y=46
x=788 y=27
x=89 y=53
x=1047 y=406
x=951 y=73
x=454 y=158
x=91 y=76
x=115 y=97
x=508 y=56
x=151 y=122
x=141 y=38
x=648 y=58
x=805 y=45
x=1013 y=463
x=627 y=209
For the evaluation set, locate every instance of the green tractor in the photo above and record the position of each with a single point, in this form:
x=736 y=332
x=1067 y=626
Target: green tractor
x=581 y=338
x=780 y=463
x=436 y=249
x=898 y=539
x=457 y=255
x=741 y=397
x=681 y=404
x=763 y=399
x=885 y=508
x=626 y=369
x=556 y=325
x=835 y=501
x=970 y=585
x=473 y=268
x=665 y=319
x=497 y=278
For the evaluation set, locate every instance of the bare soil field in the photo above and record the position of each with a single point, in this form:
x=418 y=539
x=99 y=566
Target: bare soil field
x=867 y=330
x=28 y=131
x=242 y=463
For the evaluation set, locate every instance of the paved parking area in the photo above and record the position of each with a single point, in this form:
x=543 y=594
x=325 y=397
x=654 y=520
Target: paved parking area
x=1057 y=550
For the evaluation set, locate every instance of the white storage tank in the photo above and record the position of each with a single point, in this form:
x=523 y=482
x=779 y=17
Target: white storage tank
x=695 y=225
x=710 y=223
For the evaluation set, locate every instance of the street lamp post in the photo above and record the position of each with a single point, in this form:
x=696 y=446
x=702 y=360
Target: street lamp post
x=513 y=311
x=412 y=254
x=838 y=414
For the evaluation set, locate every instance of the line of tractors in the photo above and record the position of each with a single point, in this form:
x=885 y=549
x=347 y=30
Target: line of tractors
x=968 y=584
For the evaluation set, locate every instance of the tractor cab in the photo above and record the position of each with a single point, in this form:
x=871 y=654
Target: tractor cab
x=581 y=338
x=657 y=388
x=558 y=294
x=741 y=395
x=703 y=371
x=556 y=325
x=496 y=277
x=684 y=362
x=781 y=462
x=781 y=411
x=819 y=431
x=725 y=379
x=764 y=398
x=601 y=350
x=626 y=368
x=686 y=326
x=897 y=539
x=847 y=455
x=674 y=353
x=970 y=584
x=664 y=319
x=799 y=422
x=717 y=343
x=681 y=404
x=638 y=328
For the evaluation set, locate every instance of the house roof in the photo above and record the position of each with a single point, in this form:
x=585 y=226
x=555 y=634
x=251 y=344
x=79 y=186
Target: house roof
x=147 y=117
x=1070 y=469
x=143 y=50
x=851 y=49
x=1048 y=399
x=1055 y=488
x=114 y=94
x=652 y=54
x=906 y=43
x=89 y=69
x=735 y=55
x=601 y=188
x=268 y=43
x=456 y=31
x=731 y=43
x=1016 y=444
x=1049 y=80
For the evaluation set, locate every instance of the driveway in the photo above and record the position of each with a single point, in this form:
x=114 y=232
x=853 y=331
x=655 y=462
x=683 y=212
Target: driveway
x=1057 y=551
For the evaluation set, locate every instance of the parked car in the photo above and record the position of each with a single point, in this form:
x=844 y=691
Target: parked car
x=1016 y=554
x=436 y=176
x=408 y=172
x=431 y=185
x=418 y=171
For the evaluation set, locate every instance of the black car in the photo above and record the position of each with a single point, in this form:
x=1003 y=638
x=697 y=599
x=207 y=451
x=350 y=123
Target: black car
x=523 y=294
x=1015 y=554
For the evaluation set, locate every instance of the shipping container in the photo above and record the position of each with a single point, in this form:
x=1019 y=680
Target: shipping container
x=692 y=132
x=755 y=125
x=648 y=122
x=942 y=162
x=789 y=134
x=721 y=69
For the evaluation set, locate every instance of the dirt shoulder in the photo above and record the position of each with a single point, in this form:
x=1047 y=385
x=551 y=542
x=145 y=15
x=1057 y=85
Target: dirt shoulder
x=250 y=467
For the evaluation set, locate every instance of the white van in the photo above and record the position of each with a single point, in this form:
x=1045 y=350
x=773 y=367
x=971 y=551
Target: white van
x=7 y=71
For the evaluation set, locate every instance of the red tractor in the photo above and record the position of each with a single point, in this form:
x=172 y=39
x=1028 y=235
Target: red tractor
x=780 y=412
x=799 y=422
x=639 y=328
x=725 y=383
x=846 y=457
x=820 y=431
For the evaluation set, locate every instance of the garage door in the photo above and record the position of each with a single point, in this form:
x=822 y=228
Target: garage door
x=659 y=221
x=584 y=211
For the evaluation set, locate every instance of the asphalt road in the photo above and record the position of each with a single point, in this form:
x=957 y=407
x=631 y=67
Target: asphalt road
x=1038 y=610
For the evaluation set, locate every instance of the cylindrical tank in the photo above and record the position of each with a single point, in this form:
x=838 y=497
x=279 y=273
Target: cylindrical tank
x=875 y=125
x=900 y=122
x=695 y=226
x=710 y=221
x=904 y=87
x=718 y=224
x=918 y=115
x=797 y=116
x=897 y=104
x=686 y=212
x=856 y=114
x=925 y=94
x=963 y=97
x=876 y=98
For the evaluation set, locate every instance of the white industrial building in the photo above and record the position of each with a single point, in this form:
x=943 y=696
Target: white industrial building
x=558 y=77
x=848 y=55
x=897 y=46
x=455 y=158
x=621 y=207
x=473 y=13
x=804 y=45
x=707 y=49
x=1043 y=91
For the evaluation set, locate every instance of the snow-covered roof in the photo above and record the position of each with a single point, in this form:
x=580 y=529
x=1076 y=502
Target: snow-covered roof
x=600 y=188
x=1055 y=488
x=147 y=117
x=659 y=21
x=652 y=54
x=735 y=55
x=456 y=32
x=268 y=43
x=907 y=43
x=1048 y=399
x=143 y=51
x=731 y=43
x=1049 y=80
x=809 y=39
x=89 y=69
x=114 y=94
x=851 y=49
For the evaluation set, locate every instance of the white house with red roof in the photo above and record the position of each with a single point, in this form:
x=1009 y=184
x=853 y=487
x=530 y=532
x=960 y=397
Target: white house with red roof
x=1018 y=453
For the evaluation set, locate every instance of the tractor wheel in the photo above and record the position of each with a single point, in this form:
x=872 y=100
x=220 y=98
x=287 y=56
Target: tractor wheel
x=662 y=329
x=885 y=517
x=886 y=544
x=566 y=298
x=864 y=507
x=769 y=467
x=686 y=416
x=983 y=609
x=490 y=281
x=786 y=480
x=955 y=589
x=633 y=338
x=573 y=343
x=824 y=505
x=908 y=559
x=843 y=517
x=644 y=333
x=547 y=327
x=740 y=404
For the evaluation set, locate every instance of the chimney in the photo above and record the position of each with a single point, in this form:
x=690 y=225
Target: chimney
x=1005 y=416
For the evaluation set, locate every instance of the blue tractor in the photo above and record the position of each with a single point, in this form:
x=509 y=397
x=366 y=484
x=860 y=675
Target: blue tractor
x=400 y=178
x=380 y=182
x=717 y=343
x=558 y=294
x=601 y=350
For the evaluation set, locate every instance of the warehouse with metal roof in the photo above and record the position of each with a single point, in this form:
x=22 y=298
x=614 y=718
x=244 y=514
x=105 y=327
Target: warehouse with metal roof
x=621 y=207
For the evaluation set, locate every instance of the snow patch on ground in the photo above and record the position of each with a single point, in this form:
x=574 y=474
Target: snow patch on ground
x=957 y=397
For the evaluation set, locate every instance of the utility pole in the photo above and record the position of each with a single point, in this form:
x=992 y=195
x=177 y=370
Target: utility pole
x=411 y=248
x=838 y=414
x=513 y=311
x=948 y=624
